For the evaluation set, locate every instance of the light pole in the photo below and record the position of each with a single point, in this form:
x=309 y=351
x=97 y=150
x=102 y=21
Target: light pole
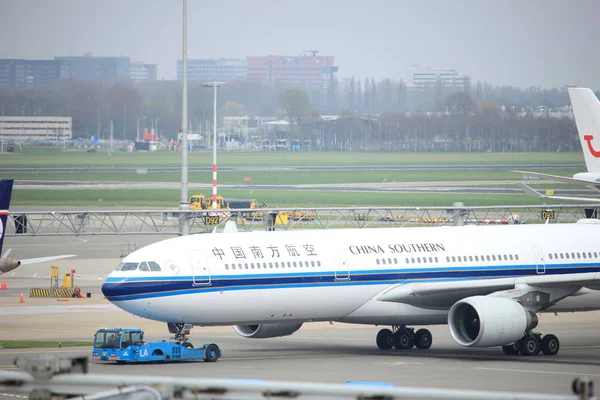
x=214 y=84
x=184 y=228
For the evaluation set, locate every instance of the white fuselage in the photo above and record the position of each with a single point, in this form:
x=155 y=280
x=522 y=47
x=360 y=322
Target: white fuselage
x=336 y=275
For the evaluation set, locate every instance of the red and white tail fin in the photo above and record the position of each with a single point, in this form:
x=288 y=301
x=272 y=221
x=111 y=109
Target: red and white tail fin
x=586 y=109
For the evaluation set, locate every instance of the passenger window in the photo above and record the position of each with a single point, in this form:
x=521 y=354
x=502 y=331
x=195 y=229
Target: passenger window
x=154 y=267
x=583 y=254
x=289 y=264
x=459 y=259
x=550 y=256
x=395 y=261
x=510 y=256
x=412 y=260
x=226 y=266
x=447 y=259
x=573 y=255
x=430 y=259
x=318 y=263
x=453 y=259
x=407 y=261
x=578 y=255
x=246 y=265
x=488 y=257
x=567 y=256
x=312 y=263
x=232 y=266
x=516 y=256
x=382 y=261
x=493 y=257
x=471 y=258
x=476 y=258
x=436 y=259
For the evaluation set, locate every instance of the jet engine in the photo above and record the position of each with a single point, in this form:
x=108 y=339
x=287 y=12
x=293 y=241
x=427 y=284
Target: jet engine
x=8 y=264
x=264 y=331
x=482 y=321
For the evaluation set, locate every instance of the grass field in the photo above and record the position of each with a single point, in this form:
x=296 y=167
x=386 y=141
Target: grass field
x=31 y=157
x=170 y=198
x=52 y=157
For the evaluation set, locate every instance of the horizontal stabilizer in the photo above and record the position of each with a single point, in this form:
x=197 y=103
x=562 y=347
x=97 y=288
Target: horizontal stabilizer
x=44 y=259
x=532 y=192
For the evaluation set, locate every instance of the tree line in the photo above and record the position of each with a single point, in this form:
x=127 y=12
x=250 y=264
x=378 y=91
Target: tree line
x=377 y=115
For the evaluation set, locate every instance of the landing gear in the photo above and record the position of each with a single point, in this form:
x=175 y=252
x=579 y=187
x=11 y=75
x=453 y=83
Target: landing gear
x=532 y=344
x=180 y=332
x=403 y=338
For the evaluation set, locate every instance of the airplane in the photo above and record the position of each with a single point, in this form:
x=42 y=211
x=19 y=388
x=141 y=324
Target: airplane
x=586 y=109
x=9 y=264
x=487 y=283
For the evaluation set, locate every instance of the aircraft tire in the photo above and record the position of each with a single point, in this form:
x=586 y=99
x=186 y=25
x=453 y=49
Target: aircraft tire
x=529 y=345
x=403 y=340
x=187 y=345
x=423 y=339
x=511 y=349
x=550 y=345
x=385 y=339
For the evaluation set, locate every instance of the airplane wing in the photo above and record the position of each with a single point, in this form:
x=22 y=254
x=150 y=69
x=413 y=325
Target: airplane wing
x=443 y=294
x=566 y=179
x=43 y=259
x=532 y=192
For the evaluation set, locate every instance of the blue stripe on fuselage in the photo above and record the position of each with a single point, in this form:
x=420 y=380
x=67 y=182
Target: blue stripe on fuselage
x=130 y=288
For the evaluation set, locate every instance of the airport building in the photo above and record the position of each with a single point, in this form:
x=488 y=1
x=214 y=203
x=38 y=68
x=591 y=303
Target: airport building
x=208 y=70
x=89 y=68
x=307 y=70
x=142 y=72
x=27 y=129
x=32 y=73
x=446 y=79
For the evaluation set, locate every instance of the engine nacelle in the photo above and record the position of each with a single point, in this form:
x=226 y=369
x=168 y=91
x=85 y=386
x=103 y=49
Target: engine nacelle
x=264 y=331
x=8 y=264
x=482 y=321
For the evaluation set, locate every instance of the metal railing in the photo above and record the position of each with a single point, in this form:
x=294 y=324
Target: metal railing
x=167 y=221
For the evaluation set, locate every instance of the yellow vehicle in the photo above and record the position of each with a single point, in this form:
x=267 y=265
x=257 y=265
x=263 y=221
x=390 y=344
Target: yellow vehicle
x=298 y=215
x=232 y=204
x=201 y=202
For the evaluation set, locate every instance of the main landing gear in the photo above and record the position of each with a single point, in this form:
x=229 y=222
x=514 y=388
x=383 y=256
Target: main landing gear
x=532 y=344
x=403 y=338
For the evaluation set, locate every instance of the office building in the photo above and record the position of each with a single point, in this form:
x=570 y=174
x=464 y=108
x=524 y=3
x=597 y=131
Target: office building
x=208 y=70
x=142 y=72
x=106 y=69
x=446 y=79
x=32 y=73
x=27 y=129
x=307 y=70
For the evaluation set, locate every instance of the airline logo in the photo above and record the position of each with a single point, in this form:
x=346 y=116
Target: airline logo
x=588 y=139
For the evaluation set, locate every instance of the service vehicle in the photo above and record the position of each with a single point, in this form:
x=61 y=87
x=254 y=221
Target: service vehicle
x=125 y=345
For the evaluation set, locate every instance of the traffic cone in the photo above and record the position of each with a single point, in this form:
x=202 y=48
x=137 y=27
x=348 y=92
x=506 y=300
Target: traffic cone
x=22 y=298
x=4 y=285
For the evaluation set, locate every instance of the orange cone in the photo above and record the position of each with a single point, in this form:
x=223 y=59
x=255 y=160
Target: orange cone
x=3 y=286
x=22 y=298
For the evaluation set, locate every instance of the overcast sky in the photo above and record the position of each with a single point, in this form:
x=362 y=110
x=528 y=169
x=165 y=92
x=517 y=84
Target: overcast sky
x=547 y=43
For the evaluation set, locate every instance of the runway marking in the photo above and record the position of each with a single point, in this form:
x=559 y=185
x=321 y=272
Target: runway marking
x=286 y=357
x=399 y=363
x=537 y=371
x=581 y=347
x=14 y=395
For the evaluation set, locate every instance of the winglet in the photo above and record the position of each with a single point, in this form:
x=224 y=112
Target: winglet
x=530 y=191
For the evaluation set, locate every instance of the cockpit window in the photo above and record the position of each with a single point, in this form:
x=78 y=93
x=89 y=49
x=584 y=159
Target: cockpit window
x=154 y=266
x=119 y=267
x=144 y=266
x=130 y=266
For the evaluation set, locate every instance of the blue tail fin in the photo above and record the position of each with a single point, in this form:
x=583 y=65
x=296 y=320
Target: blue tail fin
x=6 y=186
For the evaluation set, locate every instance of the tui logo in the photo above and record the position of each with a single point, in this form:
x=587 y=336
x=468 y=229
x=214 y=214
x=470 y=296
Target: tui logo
x=588 y=139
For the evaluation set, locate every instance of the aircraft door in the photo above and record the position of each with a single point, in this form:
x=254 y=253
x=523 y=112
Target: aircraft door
x=540 y=263
x=342 y=270
x=200 y=268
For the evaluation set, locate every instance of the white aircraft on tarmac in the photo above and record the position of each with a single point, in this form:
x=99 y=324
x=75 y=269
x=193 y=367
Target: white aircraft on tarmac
x=586 y=110
x=487 y=283
x=8 y=264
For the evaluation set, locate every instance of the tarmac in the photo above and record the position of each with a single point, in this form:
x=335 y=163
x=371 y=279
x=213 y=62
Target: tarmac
x=318 y=352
